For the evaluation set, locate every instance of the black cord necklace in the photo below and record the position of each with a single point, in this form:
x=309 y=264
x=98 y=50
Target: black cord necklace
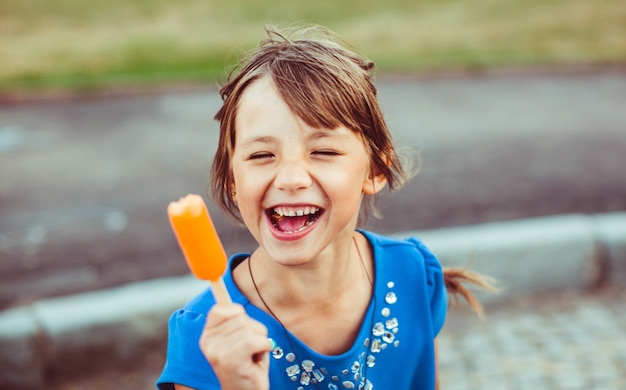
x=289 y=340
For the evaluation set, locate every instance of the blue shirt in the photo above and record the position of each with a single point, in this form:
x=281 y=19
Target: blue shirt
x=393 y=350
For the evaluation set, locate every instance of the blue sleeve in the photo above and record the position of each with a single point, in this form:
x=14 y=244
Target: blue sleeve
x=437 y=293
x=185 y=364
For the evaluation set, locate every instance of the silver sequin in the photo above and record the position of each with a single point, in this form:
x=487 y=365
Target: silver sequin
x=277 y=353
x=391 y=298
x=305 y=379
x=293 y=370
x=391 y=323
x=375 y=346
x=378 y=329
x=307 y=365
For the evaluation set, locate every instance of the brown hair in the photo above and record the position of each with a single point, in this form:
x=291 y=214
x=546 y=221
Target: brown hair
x=322 y=82
x=327 y=85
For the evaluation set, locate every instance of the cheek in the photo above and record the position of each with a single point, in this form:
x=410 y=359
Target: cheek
x=238 y=175
x=249 y=187
x=346 y=183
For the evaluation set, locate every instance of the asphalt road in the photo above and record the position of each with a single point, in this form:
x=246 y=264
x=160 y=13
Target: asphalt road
x=84 y=183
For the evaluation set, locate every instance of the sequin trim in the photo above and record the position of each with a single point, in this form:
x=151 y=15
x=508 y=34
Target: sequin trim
x=384 y=335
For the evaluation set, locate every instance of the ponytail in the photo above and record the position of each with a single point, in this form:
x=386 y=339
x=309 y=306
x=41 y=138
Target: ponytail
x=455 y=280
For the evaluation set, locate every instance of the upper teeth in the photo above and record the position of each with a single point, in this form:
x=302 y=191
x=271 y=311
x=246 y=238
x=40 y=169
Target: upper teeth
x=295 y=211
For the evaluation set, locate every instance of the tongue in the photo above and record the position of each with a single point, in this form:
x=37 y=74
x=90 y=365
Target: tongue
x=291 y=224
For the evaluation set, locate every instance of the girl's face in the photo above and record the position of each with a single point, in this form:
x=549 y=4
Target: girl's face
x=298 y=188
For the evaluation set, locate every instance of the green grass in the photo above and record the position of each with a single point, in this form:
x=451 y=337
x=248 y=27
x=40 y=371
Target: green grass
x=89 y=45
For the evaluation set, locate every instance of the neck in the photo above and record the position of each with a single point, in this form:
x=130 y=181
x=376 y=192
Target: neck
x=311 y=303
x=318 y=283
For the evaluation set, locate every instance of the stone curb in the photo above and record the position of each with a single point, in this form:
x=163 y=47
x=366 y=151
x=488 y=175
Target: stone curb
x=68 y=335
x=63 y=336
x=539 y=254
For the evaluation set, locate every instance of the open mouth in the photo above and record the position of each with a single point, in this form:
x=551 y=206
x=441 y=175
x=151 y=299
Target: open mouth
x=293 y=219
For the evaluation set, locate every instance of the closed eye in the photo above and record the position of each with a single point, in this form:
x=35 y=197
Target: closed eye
x=258 y=156
x=326 y=153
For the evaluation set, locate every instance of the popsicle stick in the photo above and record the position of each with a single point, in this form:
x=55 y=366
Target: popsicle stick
x=219 y=291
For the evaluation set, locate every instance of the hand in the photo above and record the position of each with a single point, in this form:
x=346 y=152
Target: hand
x=237 y=348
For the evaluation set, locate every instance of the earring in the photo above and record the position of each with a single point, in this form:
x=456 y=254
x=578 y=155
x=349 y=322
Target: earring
x=233 y=193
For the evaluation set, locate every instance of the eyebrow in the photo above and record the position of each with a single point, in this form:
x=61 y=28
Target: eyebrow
x=324 y=133
x=266 y=139
x=316 y=135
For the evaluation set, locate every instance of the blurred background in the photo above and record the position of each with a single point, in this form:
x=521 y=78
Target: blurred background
x=72 y=45
x=106 y=114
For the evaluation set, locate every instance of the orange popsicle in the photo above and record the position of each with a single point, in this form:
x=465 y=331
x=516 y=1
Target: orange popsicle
x=199 y=242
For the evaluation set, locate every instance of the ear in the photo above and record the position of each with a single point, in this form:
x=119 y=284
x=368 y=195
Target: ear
x=374 y=182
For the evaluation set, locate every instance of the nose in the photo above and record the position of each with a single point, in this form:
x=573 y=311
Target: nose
x=292 y=175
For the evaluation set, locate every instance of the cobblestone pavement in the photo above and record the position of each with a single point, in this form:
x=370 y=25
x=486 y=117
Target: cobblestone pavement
x=570 y=340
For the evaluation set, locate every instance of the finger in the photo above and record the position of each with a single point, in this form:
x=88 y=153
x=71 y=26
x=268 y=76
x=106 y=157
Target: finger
x=264 y=355
x=229 y=328
x=222 y=312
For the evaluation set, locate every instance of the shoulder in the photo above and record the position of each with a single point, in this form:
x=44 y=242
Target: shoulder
x=193 y=313
x=400 y=249
x=415 y=270
x=202 y=302
x=185 y=362
x=406 y=259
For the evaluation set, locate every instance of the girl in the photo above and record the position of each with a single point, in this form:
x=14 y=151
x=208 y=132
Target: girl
x=303 y=150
